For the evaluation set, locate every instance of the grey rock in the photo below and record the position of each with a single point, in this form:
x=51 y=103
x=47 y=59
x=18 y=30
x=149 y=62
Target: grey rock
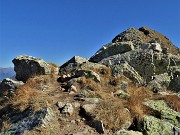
x=154 y=46
x=27 y=66
x=8 y=86
x=154 y=126
x=166 y=113
x=88 y=74
x=112 y=49
x=175 y=79
x=41 y=118
x=128 y=71
x=160 y=82
x=89 y=108
x=127 y=132
x=71 y=64
x=68 y=109
x=145 y=62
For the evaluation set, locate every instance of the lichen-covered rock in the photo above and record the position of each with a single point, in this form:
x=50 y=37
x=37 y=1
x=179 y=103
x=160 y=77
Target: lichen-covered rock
x=27 y=66
x=127 y=132
x=128 y=71
x=8 y=86
x=154 y=126
x=145 y=62
x=165 y=112
x=112 y=49
x=41 y=118
x=159 y=82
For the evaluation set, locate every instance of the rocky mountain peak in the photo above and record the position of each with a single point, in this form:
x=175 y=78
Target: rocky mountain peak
x=146 y=35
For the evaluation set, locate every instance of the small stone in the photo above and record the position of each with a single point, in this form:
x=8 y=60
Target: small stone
x=60 y=104
x=88 y=108
x=68 y=109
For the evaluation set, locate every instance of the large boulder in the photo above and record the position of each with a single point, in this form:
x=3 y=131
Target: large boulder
x=112 y=49
x=160 y=82
x=155 y=126
x=41 y=118
x=71 y=64
x=164 y=112
x=128 y=71
x=27 y=66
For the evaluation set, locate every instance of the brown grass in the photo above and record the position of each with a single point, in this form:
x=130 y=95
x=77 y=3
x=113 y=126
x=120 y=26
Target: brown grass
x=112 y=113
x=135 y=102
x=173 y=101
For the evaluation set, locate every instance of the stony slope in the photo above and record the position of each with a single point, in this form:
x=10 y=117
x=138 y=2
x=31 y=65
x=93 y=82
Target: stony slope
x=129 y=87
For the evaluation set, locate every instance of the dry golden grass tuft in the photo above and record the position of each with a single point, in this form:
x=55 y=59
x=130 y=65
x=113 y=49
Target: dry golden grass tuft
x=135 y=102
x=173 y=101
x=112 y=113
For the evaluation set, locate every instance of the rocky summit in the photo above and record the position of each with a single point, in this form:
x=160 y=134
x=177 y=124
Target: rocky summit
x=130 y=86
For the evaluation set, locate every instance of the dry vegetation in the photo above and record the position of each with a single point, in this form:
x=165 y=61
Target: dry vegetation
x=114 y=111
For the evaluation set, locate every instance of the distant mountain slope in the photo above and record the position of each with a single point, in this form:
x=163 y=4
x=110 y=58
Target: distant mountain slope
x=6 y=72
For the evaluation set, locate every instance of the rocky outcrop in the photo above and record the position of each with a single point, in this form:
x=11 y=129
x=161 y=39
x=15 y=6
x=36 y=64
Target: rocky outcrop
x=145 y=62
x=8 y=86
x=145 y=35
x=41 y=118
x=88 y=74
x=112 y=49
x=71 y=64
x=27 y=66
x=154 y=126
x=164 y=112
x=128 y=71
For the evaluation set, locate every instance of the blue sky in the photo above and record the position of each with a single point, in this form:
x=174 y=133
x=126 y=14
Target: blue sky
x=56 y=30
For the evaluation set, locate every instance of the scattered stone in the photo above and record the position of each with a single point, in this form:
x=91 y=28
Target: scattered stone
x=68 y=109
x=92 y=100
x=60 y=104
x=72 y=89
x=27 y=66
x=89 y=108
x=121 y=94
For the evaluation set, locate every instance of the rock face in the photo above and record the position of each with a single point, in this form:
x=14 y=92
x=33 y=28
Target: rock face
x=112 y=49
x=71 y=64
x=27 y=66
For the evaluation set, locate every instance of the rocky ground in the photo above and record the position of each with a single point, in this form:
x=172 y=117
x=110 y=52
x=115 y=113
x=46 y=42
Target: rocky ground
x=130 y=86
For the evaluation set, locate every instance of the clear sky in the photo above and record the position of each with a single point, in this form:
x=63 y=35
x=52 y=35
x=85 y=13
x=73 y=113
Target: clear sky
x=56 y=30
